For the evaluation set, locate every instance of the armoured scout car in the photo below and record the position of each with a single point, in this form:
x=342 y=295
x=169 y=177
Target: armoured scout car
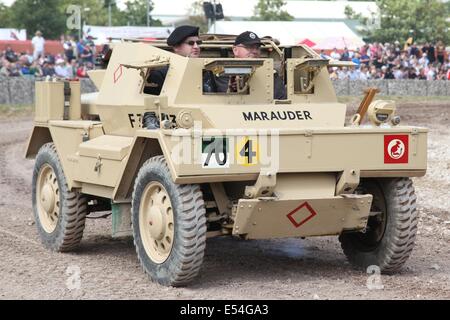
x=178 y=166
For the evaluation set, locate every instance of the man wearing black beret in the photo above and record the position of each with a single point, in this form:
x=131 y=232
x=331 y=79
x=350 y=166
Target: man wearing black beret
x=185 y=41
x=248 y=45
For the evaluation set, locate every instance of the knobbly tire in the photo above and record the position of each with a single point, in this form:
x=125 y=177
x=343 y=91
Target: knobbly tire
x=389 y=237
x=169 y=225
x=59 y=213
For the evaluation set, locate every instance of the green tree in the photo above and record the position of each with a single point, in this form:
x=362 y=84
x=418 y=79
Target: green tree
x=271 y=10
x=424 y=20
x=43 y=15
x=5 y=16
x=136 y=13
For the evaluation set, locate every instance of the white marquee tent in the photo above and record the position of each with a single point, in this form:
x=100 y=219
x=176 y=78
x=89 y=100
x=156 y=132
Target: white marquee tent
x=319 y=35
x=101 y=34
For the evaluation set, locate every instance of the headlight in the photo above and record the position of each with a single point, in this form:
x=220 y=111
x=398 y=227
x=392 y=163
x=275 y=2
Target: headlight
x=185 y=119
x=381 y=111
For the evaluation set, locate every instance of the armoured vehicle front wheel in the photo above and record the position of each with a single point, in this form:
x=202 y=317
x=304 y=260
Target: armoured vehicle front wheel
x=59 y=213
x=391 y=230
x=169 y=225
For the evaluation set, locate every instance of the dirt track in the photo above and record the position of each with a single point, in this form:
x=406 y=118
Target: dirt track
x=314 y=268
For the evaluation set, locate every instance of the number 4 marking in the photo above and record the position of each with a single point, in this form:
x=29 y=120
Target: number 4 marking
x=249 y=152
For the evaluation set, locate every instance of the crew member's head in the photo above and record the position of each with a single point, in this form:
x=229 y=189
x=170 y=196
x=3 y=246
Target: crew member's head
x=185 y=41
x=247 y=45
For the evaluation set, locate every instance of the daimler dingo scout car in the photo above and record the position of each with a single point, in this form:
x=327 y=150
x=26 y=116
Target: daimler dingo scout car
x=191 y=163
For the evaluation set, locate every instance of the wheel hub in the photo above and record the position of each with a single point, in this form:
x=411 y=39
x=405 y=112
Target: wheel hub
x=157 y=223
x=48 y=198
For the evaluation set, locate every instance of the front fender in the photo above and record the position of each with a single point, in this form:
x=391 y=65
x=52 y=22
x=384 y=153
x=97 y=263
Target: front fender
x=39 y=136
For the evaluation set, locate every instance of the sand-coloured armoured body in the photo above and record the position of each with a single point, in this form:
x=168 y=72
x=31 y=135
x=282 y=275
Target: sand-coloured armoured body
x=190 y=163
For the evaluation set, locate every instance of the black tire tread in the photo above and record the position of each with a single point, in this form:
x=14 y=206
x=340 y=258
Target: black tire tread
x=189 y=252
x=72 y=212
x=401 y=231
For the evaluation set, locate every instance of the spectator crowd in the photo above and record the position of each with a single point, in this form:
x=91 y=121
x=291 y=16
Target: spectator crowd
x=373 y=61
x=77 y=58
x=391 y=61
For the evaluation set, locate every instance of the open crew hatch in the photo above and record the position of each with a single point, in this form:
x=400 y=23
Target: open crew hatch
x=301 y=71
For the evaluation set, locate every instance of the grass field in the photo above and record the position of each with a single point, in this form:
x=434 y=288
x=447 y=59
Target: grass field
x=8 y=111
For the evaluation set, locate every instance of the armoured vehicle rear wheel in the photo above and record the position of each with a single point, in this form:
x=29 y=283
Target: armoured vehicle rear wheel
x=169 y=225
x=59 y=213
x=392 y=226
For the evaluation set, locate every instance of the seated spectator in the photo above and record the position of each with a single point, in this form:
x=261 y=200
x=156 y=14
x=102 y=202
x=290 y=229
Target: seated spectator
x=50 y=59
x=386 y=73
x=74 y=68
x=61 y=70
x=9 y=69
x=82 y=71
x=391 y=60
x=414 y=51
x=345 y=55
x=422 y=74
x=48 y=69
x=335 y=54
x=35 y=69
x=28 y=56
x=364 y=51
x=430 y=51
x=411 y=73
x=424 y=60
x=431 y=74
x=440 y=52
x=356 y=60
x=80 y=47
x=343 y=73
x=91 y=44
x=333 y=73
x=10 y=55
x=398 y=73
x=90 y=66
x=25 y=70
x=87 y=54
x=364 y=75
x=364 y=59
x=357 y=74
x=323 y=55
x=397 y=48
x=380 y=61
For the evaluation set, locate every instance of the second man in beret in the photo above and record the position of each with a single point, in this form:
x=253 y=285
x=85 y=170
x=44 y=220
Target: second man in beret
x=248 y=45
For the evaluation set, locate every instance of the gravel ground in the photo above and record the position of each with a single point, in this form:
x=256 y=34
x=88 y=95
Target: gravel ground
x=313 y=268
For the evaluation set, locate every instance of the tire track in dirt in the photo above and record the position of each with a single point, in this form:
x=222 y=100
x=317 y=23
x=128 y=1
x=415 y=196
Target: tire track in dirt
x=269 y=269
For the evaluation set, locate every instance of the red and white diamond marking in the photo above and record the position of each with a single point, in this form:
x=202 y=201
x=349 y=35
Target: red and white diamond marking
x=118 y=73
x=302 y=214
